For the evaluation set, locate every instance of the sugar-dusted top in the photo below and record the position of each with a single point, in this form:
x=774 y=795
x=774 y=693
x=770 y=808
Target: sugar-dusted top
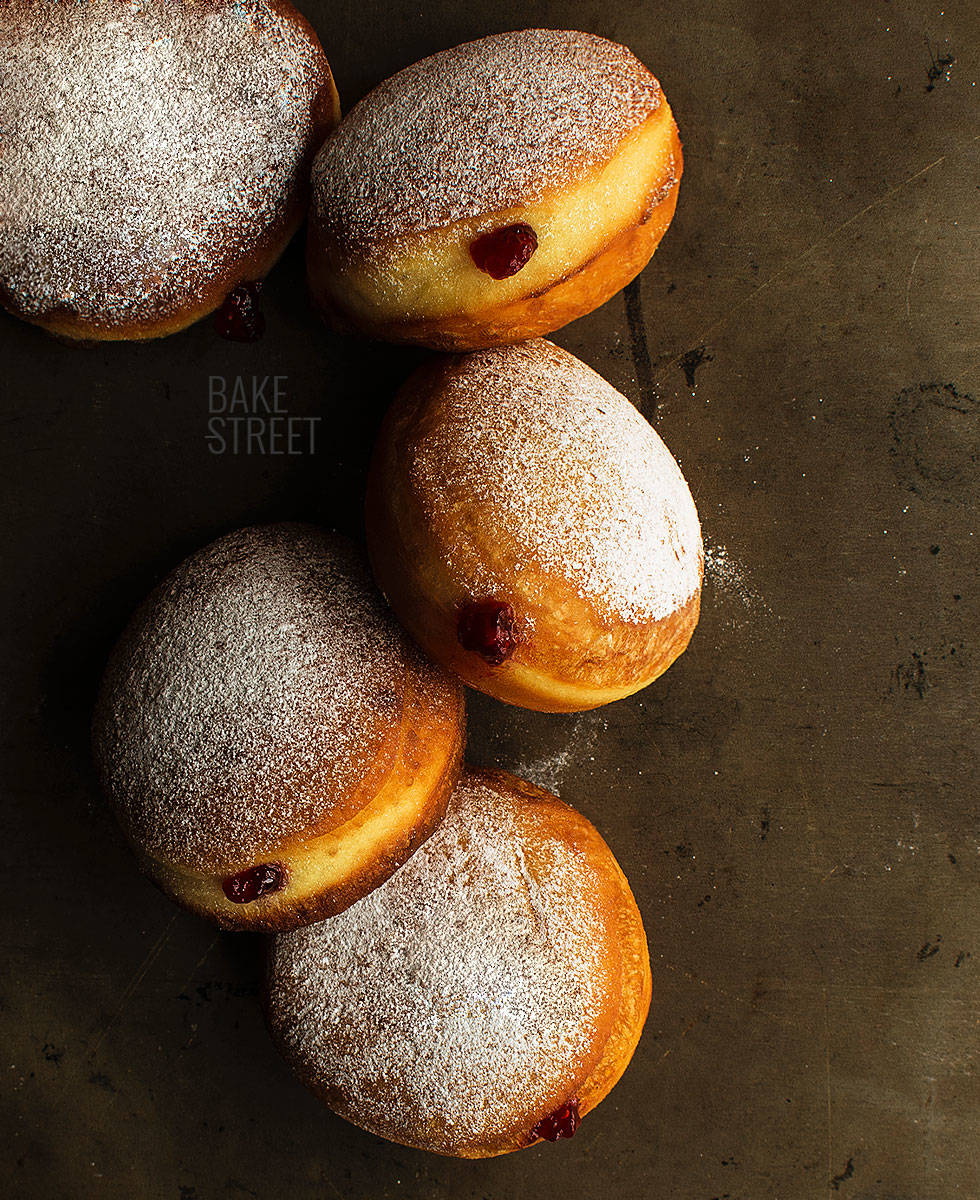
x=146 y=145
x=481 y=128
x=248 y=695
x=542 y=452
x=463 y=991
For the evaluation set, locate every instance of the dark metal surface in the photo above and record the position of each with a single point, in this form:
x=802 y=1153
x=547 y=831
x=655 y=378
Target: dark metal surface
x=795 y=802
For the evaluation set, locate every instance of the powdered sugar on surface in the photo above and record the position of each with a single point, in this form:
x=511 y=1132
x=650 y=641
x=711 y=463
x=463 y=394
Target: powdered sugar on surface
x=545 y=449
x=480 y=128
x=549 y=770
x=462 y=990
x=236 y=708
x=731 y=578
x=145 y=145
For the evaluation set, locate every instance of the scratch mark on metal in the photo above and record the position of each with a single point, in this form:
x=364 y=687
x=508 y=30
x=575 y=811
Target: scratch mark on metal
x=741 y=175
x=705 y=334
x=684 y=1032
x=138 y=976
x=908 y=285
x=830 y=1125
x=200 y=963
x=744 y=1000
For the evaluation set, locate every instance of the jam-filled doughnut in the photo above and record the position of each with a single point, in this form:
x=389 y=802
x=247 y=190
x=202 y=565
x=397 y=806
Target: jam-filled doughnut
x=155 y=157
x=493 y=192
x=272 y=743
x=532 y=531
x=487 y=996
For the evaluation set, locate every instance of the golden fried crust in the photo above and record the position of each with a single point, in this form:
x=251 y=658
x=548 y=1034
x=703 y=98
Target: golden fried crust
x=606 y=932
x=626 y=966
x=574 y=652
x=595 y=238
x=636 y=993
x=327 y=873
x=583 y=290
x=232 y=267
x=254 y=698
x=263 y=709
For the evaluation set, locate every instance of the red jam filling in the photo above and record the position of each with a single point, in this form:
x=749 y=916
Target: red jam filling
x=562 y=1123
x=240 y=319
x=487 y=628
x=248 y=885
x=503 y=252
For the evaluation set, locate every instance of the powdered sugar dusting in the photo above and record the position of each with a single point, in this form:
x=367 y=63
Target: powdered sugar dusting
x=463 y=989
x=551 y=453
x=478 y=129
x=730 y=577
x=146 y=145
x=549 y=770
x=237 y=708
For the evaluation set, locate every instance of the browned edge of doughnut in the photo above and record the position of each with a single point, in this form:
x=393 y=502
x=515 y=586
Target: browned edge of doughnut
x=635 y=998
x=579 y=292
x=649 y=648
x=428 y=732
x=546 y=672
x=622 y=1027
x=65 y=324
x=635 y=983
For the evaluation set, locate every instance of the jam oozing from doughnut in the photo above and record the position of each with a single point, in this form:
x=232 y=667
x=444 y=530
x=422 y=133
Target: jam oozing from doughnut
x=487 y=628
x=562 y=1123
x=248 y=885
x=503 y=252
x=240 y=319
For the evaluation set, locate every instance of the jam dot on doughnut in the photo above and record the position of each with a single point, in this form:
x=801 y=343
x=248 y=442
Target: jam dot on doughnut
x=503 y=252
x=240 y=319
x=258 y=881
x=487 y=628
x=562 y=1123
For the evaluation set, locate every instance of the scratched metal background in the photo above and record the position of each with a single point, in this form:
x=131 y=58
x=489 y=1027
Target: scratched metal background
x=795 y=803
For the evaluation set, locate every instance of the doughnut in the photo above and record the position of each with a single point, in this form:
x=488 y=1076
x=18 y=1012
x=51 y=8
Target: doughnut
x=493 y=192
x=155 y=156
x=271 y=742
x=531 y=530
x=487 y=997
